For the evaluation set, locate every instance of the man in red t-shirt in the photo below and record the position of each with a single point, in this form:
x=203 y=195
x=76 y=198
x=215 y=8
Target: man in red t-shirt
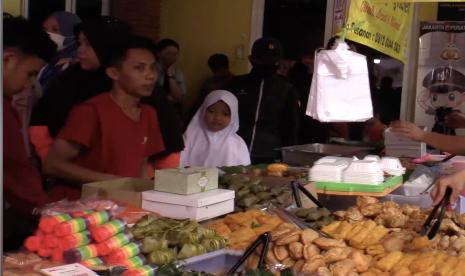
x=25 y=50
x=112 y=134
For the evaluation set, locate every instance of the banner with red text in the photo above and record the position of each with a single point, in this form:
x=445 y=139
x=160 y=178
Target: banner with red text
x=383 y=26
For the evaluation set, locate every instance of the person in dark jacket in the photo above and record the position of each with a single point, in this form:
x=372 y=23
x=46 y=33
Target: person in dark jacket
x=268 y=104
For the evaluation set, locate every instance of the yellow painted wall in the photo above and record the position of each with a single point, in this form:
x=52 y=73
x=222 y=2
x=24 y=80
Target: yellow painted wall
x=12 y=7
x=205 y=27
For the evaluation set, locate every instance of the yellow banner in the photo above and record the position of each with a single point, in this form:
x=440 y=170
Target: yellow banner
x=384 y=26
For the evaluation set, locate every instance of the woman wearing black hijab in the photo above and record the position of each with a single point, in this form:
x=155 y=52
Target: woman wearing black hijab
x=79 y=82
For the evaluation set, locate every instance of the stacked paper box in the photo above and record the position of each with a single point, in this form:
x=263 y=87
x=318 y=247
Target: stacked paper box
x=399 y=146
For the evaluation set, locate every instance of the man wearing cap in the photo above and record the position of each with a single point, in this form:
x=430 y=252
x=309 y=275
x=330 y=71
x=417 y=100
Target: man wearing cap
x=444 y=93
x=268 y=105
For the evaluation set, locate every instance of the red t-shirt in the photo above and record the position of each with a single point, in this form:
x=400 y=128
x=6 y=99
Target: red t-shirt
x=21 y=180
x=112 y=142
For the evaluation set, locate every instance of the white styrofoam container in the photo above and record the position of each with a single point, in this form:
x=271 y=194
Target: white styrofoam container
x=200 y=206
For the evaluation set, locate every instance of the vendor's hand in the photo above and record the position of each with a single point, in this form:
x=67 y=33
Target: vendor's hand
x=455 y=119
x=408 y=130
x=171 y=71
x=456 y=181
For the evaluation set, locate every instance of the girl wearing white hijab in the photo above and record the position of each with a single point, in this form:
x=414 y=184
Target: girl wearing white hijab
x=211 y=139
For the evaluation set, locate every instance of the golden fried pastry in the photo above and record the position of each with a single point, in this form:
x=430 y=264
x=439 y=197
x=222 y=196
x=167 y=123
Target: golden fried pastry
x=323 y=271
x=376 y=234
x=343 y=230
x=309 y=251
x=242 y=234
x=269 y=220
x=279 y=232
x=221 y=228
x=406 y=260
x=308 y=236
x=288 y=238
x=343 y=268
x=325 y=243
x=237 y=218
x=374 y=250
x=280 y=252
x=459 y=243
x=359 y=238
x=254 y=213
x=389 y=260
x=239 y=245
x=354 y=214
x=365 y=200
x=419 y=243
x=371 y=210
x=313 y=264
x=263 y=229
x=271 y=258
x=331 y=228
x=295 y=250
x=336 y=254
x=393 y=243
x=340 y=214
x=362 y=261
x=408 y=209
x=444 y=243
x=298 y=265
x=288 y=262
x=286 y=225
x=423 y=263
x=448 y=265
x=402 y=271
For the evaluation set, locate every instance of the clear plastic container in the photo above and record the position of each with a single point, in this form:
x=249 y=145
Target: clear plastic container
x=216 y=262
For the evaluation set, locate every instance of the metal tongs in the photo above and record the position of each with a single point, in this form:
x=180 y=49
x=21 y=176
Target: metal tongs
x=296 y=186
x=262 y=239
x=430 y=228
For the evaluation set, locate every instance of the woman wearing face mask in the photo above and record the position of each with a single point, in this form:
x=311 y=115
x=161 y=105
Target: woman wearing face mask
x=60 y=26
x=78 y=82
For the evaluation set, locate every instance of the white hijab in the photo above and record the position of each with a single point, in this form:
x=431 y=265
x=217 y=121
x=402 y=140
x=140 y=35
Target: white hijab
x=205 y=148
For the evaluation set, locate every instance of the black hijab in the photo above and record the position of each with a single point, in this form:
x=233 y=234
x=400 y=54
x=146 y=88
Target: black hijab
x=75 y=85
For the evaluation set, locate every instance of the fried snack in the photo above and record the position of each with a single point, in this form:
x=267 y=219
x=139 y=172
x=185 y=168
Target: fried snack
x=374 y=250
x=358 y=239
x=448 y=266
x=354 y=214
x=402 y=271
x=286 y=225
x=298 y=265
x=375 y=236
x=325 y=243
x=280 y=252
x=308 y=236
x=393 y=243
x=270 y=220
x=296 y=249
x=357 y=227
x=291 y=237
x=340 y=215
x=239 y=245
x=309 y=251
x=279 y=232
x=342 y=231
x=323 y=271
x=406 y=260
x=237 y=218
x=389 y=260
x=277 y=167
x=254 y=213
x=362 y=261
x=263 y=229
x=288 y=262
x=331 y=228
x=243 y=234
x=424 y=263
x=220 y=228
x=313 y=264
x=271 y=258
x=336 y=254
x=419 y=243
x=365 y=200
x=372 y=209
x=343 y=268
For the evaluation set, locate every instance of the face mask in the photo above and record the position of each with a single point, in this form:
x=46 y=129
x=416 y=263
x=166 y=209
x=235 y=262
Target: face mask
x=58 y=39
x=264 y=70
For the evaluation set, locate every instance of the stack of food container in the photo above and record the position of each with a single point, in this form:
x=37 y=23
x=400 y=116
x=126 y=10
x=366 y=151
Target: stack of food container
x=188 y=193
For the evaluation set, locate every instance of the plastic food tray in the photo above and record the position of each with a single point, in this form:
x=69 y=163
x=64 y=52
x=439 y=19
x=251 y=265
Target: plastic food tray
x=216 y=262
x=388 y=184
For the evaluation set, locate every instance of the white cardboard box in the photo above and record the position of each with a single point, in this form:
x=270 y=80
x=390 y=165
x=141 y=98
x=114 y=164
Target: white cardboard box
x=186 y=181
x=200 y=206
